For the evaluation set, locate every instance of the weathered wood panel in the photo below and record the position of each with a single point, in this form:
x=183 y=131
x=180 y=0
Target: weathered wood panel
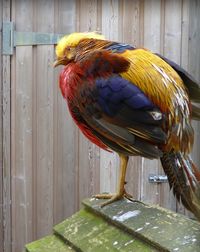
x=171 y=50
x=22 y=152
x=129 y=32
x=1 y=133
x=88 y=153
x=184 y=58
x=194 y=62
x=194 y=66
x=129 y=18
x=152 y=31
x=6 y=181
x=109 y=163
x=65 y=132
x=44 y=119
x=53 y=167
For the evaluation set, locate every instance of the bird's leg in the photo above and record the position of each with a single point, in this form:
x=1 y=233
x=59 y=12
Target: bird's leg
x=120 y=190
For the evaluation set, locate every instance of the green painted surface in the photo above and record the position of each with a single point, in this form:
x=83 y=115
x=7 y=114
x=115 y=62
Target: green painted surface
x=165 y=229
x=124 y=226
x=49 y=244
x=88 y=232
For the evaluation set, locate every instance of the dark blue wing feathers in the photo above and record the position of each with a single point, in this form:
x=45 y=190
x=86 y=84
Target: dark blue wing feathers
x=116 y=91
x=120 y=115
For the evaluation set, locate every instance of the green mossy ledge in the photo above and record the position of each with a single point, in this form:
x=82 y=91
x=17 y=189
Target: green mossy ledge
x=121 y=226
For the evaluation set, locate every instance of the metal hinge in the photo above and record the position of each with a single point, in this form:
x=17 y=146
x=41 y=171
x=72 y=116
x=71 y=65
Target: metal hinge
x=12 y=38
x=158 y=178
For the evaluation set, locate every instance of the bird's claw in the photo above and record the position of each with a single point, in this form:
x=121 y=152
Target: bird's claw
x=112 y=197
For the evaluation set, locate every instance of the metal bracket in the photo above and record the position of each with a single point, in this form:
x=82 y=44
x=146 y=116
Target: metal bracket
x=12 y=38
x=7 y=34
x=158 y=178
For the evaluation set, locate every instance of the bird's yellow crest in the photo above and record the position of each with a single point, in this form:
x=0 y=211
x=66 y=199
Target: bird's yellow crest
x=73 y=39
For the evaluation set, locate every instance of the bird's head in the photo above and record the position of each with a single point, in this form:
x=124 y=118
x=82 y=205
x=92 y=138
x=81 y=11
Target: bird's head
x=66 y=47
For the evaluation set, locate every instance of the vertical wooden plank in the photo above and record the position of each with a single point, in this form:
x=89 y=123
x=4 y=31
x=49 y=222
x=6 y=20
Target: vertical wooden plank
x=109 y=166
x=44 y=129
x=184 y=61
x=6 y=142
x=88 y=157
x=134 y=177
x=152 y=21
x=194 y=64
x=130 y=24
x=185 y=34
x=44 y=120
x=65 y=131
x=172 y=50
x=194 y=38
x=172 y=36
x=152 y=24
x=87 y=15
x=1 y=133
x=110 y=19
x=130 y=13
x=109 y=163
x=22 y=174
x=22 y=80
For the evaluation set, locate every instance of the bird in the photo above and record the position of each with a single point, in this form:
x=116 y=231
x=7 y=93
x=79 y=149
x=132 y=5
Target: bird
x=134 y=102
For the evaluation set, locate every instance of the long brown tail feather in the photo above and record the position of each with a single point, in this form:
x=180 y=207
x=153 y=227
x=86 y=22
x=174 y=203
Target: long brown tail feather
x=184 y=179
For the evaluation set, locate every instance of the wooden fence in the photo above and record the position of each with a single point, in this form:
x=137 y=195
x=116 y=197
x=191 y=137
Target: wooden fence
x=46 y=166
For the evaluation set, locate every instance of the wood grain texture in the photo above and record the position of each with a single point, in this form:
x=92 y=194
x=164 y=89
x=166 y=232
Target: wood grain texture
x=152 y=21
x=184 y=63
x=6 y=85
x=130 y=25
x=172 y=36
x=134 y=177
x=22 y=167
x=44 y=119
x=171 y=50
x=1 y=133
x=65 y=131
x=194 y=65
x=109 y=163
x=129 y=17
x=87 y=15
x=110 y=19
x=22 y=152
x=152 y=24
x=88 y=153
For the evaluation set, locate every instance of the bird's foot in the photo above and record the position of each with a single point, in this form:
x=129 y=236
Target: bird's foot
x=112 y=197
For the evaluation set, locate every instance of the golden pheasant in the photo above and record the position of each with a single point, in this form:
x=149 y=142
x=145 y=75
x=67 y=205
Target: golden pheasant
x=133 y=102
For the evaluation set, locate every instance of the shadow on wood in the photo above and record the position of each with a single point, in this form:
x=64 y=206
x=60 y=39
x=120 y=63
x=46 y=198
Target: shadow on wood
x=122 y=226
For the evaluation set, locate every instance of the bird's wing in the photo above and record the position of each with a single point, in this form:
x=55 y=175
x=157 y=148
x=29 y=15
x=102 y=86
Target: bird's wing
x=156 y=79
x=116 y=109
x=159 y=82
x=190 y=83
x=165 y=88
x=192 y=86
x=122 y=114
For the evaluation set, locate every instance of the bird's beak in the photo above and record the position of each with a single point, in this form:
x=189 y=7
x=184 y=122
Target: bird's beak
x=62 y=61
